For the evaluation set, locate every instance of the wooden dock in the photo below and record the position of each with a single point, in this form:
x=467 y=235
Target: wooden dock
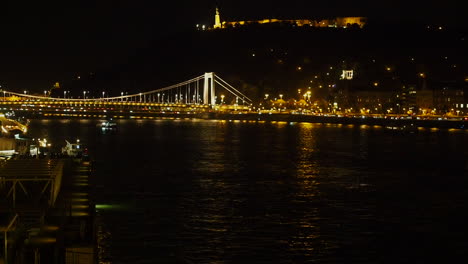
x=46 y=212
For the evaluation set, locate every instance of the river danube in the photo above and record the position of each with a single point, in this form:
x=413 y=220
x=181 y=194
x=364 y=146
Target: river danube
x=208 y=191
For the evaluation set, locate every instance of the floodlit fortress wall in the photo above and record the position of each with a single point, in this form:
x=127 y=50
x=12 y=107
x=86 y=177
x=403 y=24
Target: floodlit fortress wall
x=339 y=22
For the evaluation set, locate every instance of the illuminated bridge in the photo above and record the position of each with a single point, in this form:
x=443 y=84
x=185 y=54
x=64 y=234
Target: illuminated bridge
x=199 y=94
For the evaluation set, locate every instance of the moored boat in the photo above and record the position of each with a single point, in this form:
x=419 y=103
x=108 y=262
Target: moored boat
x=22 y=146
x=74 y=149
x=11 y=127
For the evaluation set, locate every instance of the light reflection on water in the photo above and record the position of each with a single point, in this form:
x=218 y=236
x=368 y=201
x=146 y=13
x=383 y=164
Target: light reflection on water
x=196 y=191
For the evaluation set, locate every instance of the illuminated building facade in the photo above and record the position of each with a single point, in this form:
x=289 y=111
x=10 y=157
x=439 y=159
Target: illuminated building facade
x=451 y=98
x=377 y=102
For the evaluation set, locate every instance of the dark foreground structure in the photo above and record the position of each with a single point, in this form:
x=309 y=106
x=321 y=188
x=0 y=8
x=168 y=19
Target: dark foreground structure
x=46 y=215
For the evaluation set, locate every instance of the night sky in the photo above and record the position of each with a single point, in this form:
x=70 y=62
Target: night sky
x=46 y=42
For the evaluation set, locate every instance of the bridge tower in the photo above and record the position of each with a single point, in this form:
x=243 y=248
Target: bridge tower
x=217 y=23
x=209 y=89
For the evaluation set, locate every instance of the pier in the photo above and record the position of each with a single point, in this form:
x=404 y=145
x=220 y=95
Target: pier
x=46 y=213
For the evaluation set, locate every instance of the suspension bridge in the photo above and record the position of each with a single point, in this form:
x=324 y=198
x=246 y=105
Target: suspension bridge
x=207 y=91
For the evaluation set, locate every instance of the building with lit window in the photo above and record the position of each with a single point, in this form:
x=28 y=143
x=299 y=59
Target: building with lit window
x=451 y=98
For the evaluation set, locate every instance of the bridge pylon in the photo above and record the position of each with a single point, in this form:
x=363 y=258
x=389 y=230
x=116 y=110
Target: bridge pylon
x=209 y=89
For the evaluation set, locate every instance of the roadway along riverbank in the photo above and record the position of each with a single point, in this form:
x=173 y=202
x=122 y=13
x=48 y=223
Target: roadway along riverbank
x=402 y=122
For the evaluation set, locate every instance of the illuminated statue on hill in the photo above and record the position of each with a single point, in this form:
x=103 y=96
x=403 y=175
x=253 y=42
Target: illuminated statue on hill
x=217 y=23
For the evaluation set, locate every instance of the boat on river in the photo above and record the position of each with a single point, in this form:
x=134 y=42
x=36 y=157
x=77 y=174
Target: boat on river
x=75 y=150
x=108 y=125
x=12 y=141
x=23 y=146
x=11 y=127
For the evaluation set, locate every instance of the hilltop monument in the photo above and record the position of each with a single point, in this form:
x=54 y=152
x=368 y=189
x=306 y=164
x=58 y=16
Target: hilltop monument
x=217 y=23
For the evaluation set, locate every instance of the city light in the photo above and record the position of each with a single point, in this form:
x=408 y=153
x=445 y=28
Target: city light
x=339 y=101
x=318 y=125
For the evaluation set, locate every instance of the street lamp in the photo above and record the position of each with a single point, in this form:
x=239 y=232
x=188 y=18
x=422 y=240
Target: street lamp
x=45 y=93
x=281 y=96
x=84 y=94
x=140 y=97
x=222 y=98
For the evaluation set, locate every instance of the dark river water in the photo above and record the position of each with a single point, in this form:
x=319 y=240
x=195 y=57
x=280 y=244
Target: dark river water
x=197 y=191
